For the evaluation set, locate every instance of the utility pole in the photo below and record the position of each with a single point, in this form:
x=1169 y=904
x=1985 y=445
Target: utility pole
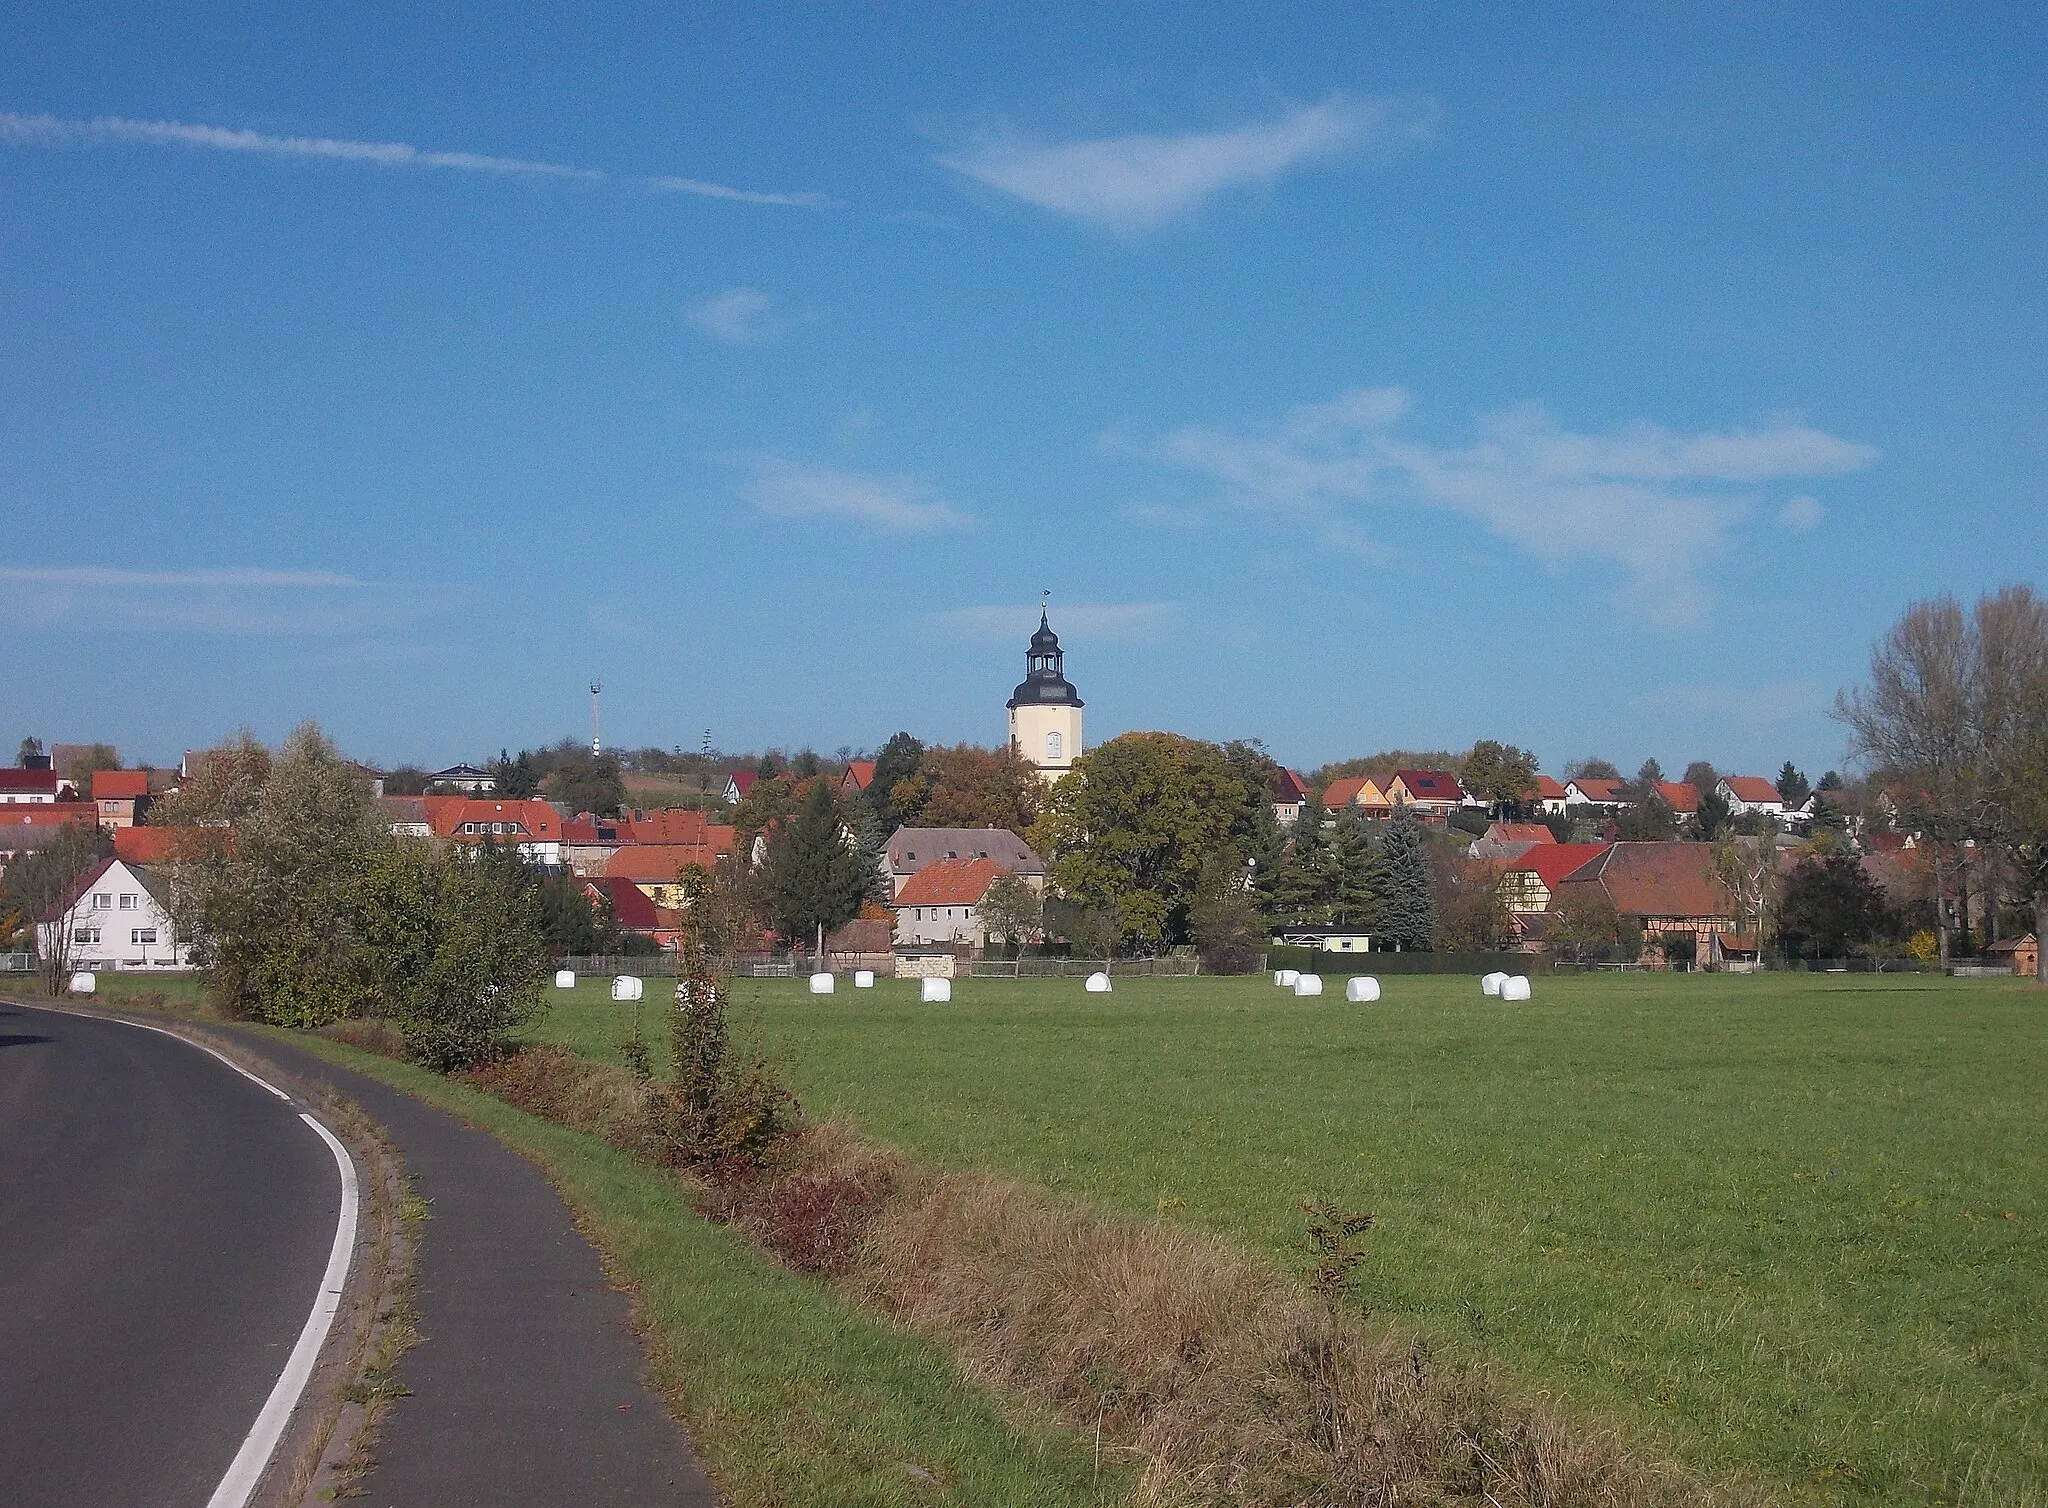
x=596 y=744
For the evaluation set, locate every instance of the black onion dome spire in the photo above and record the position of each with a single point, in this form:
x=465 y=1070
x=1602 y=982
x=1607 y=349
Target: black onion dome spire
x=1045 y=684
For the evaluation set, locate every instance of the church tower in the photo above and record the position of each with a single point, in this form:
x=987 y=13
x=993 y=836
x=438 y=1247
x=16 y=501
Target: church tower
x=1045 y=711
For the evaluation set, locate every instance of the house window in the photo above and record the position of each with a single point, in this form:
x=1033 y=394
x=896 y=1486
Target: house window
x=142 y=935
x=103 y=901
x=127 y=903
x=85 y=934
x=1053 y=744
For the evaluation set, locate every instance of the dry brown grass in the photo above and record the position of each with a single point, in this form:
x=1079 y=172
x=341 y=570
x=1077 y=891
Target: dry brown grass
x=1226 y=1380
x=366 y=1034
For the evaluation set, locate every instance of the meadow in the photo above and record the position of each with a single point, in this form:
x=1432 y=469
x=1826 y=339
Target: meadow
x=1784 y=1227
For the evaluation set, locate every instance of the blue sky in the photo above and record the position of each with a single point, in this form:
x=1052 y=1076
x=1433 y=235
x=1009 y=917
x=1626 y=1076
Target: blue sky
x=1351 y=376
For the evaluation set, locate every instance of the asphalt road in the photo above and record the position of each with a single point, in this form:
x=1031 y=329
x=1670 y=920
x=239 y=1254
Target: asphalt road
x=527 y=1383
x=164 y=1225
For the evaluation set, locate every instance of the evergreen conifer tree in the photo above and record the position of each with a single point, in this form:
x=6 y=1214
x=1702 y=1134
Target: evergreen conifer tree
x=1301 y=895
x=1353 y=902
x=815 y=877
x=1401 y=884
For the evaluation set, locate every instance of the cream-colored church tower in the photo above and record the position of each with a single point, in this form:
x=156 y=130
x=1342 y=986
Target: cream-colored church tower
x=1045 y=711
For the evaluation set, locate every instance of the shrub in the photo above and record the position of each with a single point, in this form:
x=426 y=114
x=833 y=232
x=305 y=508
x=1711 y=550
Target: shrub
x=457 y=949
x=724 y=1105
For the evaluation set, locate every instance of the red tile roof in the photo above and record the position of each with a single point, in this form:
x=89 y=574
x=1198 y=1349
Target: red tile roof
x=1430 y=785
x=447 y=814
x=630 y=905
x=1288 y=789
x=660 y=863
x=1520 y=832
x=144 y=845
x=743 y=781
x=1552 y=863
x=1753 y=788
x=673 y=824
x=1682 y=796
x=1363 y=791
x=48 y=813
x=860 y=773
x=29 y=782
x=1658 y=879
x=950 y=882
x=119 y=785
x=1545 y=789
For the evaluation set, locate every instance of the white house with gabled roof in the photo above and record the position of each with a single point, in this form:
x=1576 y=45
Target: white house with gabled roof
x=118 y=917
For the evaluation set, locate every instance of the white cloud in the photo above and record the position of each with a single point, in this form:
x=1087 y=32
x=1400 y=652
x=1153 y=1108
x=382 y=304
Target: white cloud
x=219 y=600
x=1133 y=183
x=109 y=576
x=705 y=190
x=1802 y=514
x=999 y=623
x=900 y=505
x=48 y=130
x=738 y=316
x=1653 y=503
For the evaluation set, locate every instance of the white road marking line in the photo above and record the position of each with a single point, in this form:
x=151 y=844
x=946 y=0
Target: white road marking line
x=251 y=1460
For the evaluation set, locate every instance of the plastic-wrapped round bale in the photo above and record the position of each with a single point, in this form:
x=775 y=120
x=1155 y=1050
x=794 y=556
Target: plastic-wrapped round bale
x=821 y=983
x=1098 y=983
x=1309 y=984
x=1515 y=987
x=1364 y=987
x=935 y=989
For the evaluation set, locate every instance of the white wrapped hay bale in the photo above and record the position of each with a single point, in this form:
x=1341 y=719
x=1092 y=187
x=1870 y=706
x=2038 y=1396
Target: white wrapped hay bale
x=1308 y=984
x=821 y=984
x=863 y=979
x=626 y=987
x=1098 y=983
x=935 y=989
x=1365 y=987
x=82 y=983
x=1515 y=987
x=565 y=979
x=1285 y=978
x=1491 y=984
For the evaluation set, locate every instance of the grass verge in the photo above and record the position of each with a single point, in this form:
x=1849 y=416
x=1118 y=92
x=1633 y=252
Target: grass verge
x=790 y=1393
x=1787 y=1226
x=1226 y=1382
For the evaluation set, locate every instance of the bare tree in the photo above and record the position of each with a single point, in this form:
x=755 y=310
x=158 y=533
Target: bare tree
x=1919 y=722
x=1956 y=714
x=41 y=883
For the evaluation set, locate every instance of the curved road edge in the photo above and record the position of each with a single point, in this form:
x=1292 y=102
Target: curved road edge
x=309 y=1429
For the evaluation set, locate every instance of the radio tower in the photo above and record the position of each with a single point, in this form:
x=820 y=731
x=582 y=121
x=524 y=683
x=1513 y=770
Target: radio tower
x=596 y=744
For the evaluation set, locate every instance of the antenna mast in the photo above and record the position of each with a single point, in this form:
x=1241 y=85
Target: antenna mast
x=596 y=744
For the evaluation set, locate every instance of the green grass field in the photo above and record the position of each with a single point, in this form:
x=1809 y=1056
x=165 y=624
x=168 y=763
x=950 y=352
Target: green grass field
x=1789 y=1226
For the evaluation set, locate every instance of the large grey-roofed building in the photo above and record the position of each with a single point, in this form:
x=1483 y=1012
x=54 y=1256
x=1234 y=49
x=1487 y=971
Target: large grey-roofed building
x=911 y=848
